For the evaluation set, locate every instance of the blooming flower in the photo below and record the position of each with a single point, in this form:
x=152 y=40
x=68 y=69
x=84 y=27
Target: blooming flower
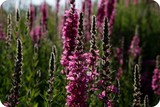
x=44 y=16
x=111 y=12
x=70 y=33
x=119 y=56
x=2 y=34
x=77 y=77
x=107 y=88
x=101 y=13
x=156 y=81
x=36 y=34
x=93 y=57
x=31 y=16
x=106 y=9
x=57 y=6
x=87 y=11
x=135 y=49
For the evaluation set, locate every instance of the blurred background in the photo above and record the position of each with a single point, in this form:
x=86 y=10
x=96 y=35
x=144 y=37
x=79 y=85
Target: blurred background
x=140 y=18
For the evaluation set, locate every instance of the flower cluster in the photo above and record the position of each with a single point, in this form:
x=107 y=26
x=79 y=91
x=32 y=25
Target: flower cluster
x=13 y=97
x=106 y=86
x=101 y=13
x=156 y=78
x=135 y=49
x=44 y=19
x=156 y=81
x=70 y=33
x=119 y=56
x=2 y=34
x=77 y=77
x=106 y=9
x=111 y=12
x=93 y=55
x=31 y=16
x=36 y=34
x=57 y=7
x=87 y=10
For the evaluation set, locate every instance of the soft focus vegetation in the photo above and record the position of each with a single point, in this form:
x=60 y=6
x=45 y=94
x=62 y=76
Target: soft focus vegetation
x=141 y=19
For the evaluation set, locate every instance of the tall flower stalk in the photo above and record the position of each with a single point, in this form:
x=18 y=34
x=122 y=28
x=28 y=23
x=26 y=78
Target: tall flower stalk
x=137 y=86
x=106 y=86
x=135 y=49
x=36 y=35
x=31 y=16
x=2 y=34
x=44 y=18
x=57 y=11
x=87 y=10
x=156 y=77
x=9 y=30
x=119 y=56
x=111 y=13
x=13 y=97
x=94 y=55
x=51 y=77
x=106 y=9
x=101 y=13
x=70 y=34
x=77 y=76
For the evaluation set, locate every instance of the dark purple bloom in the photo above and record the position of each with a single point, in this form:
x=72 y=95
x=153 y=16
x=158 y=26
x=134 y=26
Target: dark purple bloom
x=87 y=10
x=57 y=6
x=93 y=57
x=36 y=34
x=135 y=49
x=156 y=81
x=107 y=8
x=77 y=77
x=101 y=13
x=111 y=12
x=2 y=34
x=31 y=16
x=70 y=33
x=119 y=56
x=44 y=11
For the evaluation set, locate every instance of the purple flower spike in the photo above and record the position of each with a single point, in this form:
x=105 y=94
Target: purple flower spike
x=111 y=12
x=70 y=33
x=135 y=49
x=101 y=13
x=156 y=81
x=107 y=8
x=57 y=6
x=156 y=78
x=77 y=85
x=87 y=10
x=44 y=19
x=2 y=34
x=36 y=34
x=31 y=16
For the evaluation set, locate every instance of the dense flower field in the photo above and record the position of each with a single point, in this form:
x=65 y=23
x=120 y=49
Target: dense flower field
x=105 y=54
